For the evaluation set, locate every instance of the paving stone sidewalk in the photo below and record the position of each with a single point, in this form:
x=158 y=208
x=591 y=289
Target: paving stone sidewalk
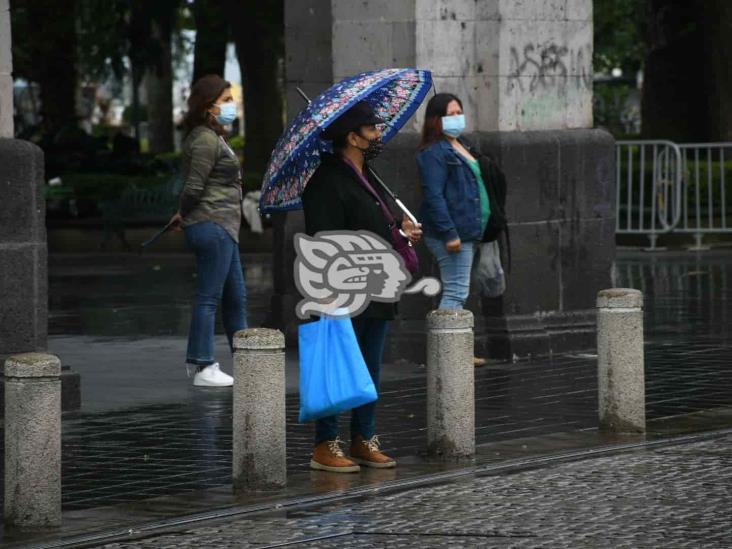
x=676 y=496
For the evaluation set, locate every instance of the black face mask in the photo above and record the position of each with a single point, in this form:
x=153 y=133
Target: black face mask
x=374 y=149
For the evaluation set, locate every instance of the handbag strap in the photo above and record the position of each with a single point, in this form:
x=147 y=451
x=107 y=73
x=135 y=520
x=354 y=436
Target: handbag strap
x=367 y=185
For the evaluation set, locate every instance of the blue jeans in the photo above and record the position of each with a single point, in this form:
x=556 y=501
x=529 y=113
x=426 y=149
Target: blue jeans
x=371 y=336
x=219 y=278
x=454 y=271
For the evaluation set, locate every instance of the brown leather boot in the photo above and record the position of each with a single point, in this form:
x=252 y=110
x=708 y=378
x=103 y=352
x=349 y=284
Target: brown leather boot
x=328 y=456
x=366 y=452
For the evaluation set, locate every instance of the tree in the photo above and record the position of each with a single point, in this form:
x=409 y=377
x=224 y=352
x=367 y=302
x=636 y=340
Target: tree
x=45 y=52
x=161 y=16
x=673 y=93
x=687 y=90
x=212 y=36
x=619 y=40
x=259 y=36
x=717 y=22
x=102 y=31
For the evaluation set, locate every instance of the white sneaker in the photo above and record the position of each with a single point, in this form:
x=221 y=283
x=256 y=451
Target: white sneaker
x=212 y=376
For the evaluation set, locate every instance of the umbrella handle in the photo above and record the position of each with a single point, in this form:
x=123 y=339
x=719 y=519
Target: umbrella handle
x=394 y=197
x=406 y=211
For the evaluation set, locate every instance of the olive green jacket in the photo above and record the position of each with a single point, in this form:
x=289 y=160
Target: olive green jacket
x=212 y=175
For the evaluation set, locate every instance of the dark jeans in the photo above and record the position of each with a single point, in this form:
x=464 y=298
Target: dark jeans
x=371 y=335
x=219 y=278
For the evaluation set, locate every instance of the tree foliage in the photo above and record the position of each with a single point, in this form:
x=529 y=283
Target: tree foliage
x=619 y=35
x=102 y=32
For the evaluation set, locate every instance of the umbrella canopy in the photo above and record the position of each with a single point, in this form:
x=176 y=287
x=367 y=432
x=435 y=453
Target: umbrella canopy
x=394 y=94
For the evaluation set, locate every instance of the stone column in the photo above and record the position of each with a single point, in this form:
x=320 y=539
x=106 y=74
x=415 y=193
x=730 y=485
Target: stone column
x=23 y=250
x=32 y=440
x=6 y=72
x=23 y=284
x=524 y=73
x=450 y=384
x=23 y=255
x=259 y=460
x=620 y=362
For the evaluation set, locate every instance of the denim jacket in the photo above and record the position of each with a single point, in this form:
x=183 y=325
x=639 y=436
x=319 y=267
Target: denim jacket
x=450 y=198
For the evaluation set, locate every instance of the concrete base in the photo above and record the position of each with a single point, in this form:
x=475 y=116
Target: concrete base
x=561 y=208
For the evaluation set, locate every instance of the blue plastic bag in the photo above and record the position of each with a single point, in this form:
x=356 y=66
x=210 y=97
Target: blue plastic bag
x=333 y=374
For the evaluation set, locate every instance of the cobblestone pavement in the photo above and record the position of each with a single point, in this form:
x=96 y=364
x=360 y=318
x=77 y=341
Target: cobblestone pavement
x=668 y=497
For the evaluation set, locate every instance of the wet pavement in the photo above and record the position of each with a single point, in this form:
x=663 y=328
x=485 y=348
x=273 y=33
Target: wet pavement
x=146 y=444
x=669 y=496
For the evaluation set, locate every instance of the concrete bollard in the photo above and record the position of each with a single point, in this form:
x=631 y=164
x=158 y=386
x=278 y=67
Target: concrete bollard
x=32 y=440
x=259 y=460
x=450 y=384
x=621 y=385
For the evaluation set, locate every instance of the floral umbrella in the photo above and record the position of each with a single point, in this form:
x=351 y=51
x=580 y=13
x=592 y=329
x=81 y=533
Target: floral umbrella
x=394 y=94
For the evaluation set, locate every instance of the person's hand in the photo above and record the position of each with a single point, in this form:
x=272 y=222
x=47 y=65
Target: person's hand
x=175 y=222
x=413 y=232
x=453 y=246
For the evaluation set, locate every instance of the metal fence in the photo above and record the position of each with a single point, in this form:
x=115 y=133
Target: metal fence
x=664 y=187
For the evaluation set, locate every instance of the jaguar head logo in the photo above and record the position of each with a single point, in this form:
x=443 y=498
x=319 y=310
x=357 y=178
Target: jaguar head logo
x=340 y=272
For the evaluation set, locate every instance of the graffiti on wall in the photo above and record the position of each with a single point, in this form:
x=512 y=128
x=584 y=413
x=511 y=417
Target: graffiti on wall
x=549 y=66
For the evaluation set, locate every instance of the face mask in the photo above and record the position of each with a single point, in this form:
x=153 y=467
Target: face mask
x=227 y=113
x=374 y=149
x=453 y=125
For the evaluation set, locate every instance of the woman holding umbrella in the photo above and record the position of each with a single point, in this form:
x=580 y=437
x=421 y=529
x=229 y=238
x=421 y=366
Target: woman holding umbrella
x=320 y=163
x=336 y=198
x=210 y=215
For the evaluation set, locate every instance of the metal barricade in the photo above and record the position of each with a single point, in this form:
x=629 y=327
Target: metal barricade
x=664 y=187
x=649 y=188
x=707 y=169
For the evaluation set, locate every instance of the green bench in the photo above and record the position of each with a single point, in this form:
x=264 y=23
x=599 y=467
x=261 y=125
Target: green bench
x=139 y=206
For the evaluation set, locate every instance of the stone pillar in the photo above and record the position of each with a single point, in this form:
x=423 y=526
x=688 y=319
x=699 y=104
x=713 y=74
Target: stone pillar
x=524 y=73
x=32 y=440
x=23 y=254
x=6 y=72
x=23 y=279
x=450 y=384
x=259 y=460
x=621 y=383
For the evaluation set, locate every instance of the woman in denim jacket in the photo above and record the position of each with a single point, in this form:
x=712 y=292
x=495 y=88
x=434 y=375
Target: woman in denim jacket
x=455 y=205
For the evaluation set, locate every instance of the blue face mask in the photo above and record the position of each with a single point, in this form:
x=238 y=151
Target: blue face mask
x=453 y=125
x=227 y=113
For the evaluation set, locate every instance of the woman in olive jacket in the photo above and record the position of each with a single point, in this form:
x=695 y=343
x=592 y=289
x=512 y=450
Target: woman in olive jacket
x=210 y=215
x=335 y=199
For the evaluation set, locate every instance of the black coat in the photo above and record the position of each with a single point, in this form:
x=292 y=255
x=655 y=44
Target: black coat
x=334 y=199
